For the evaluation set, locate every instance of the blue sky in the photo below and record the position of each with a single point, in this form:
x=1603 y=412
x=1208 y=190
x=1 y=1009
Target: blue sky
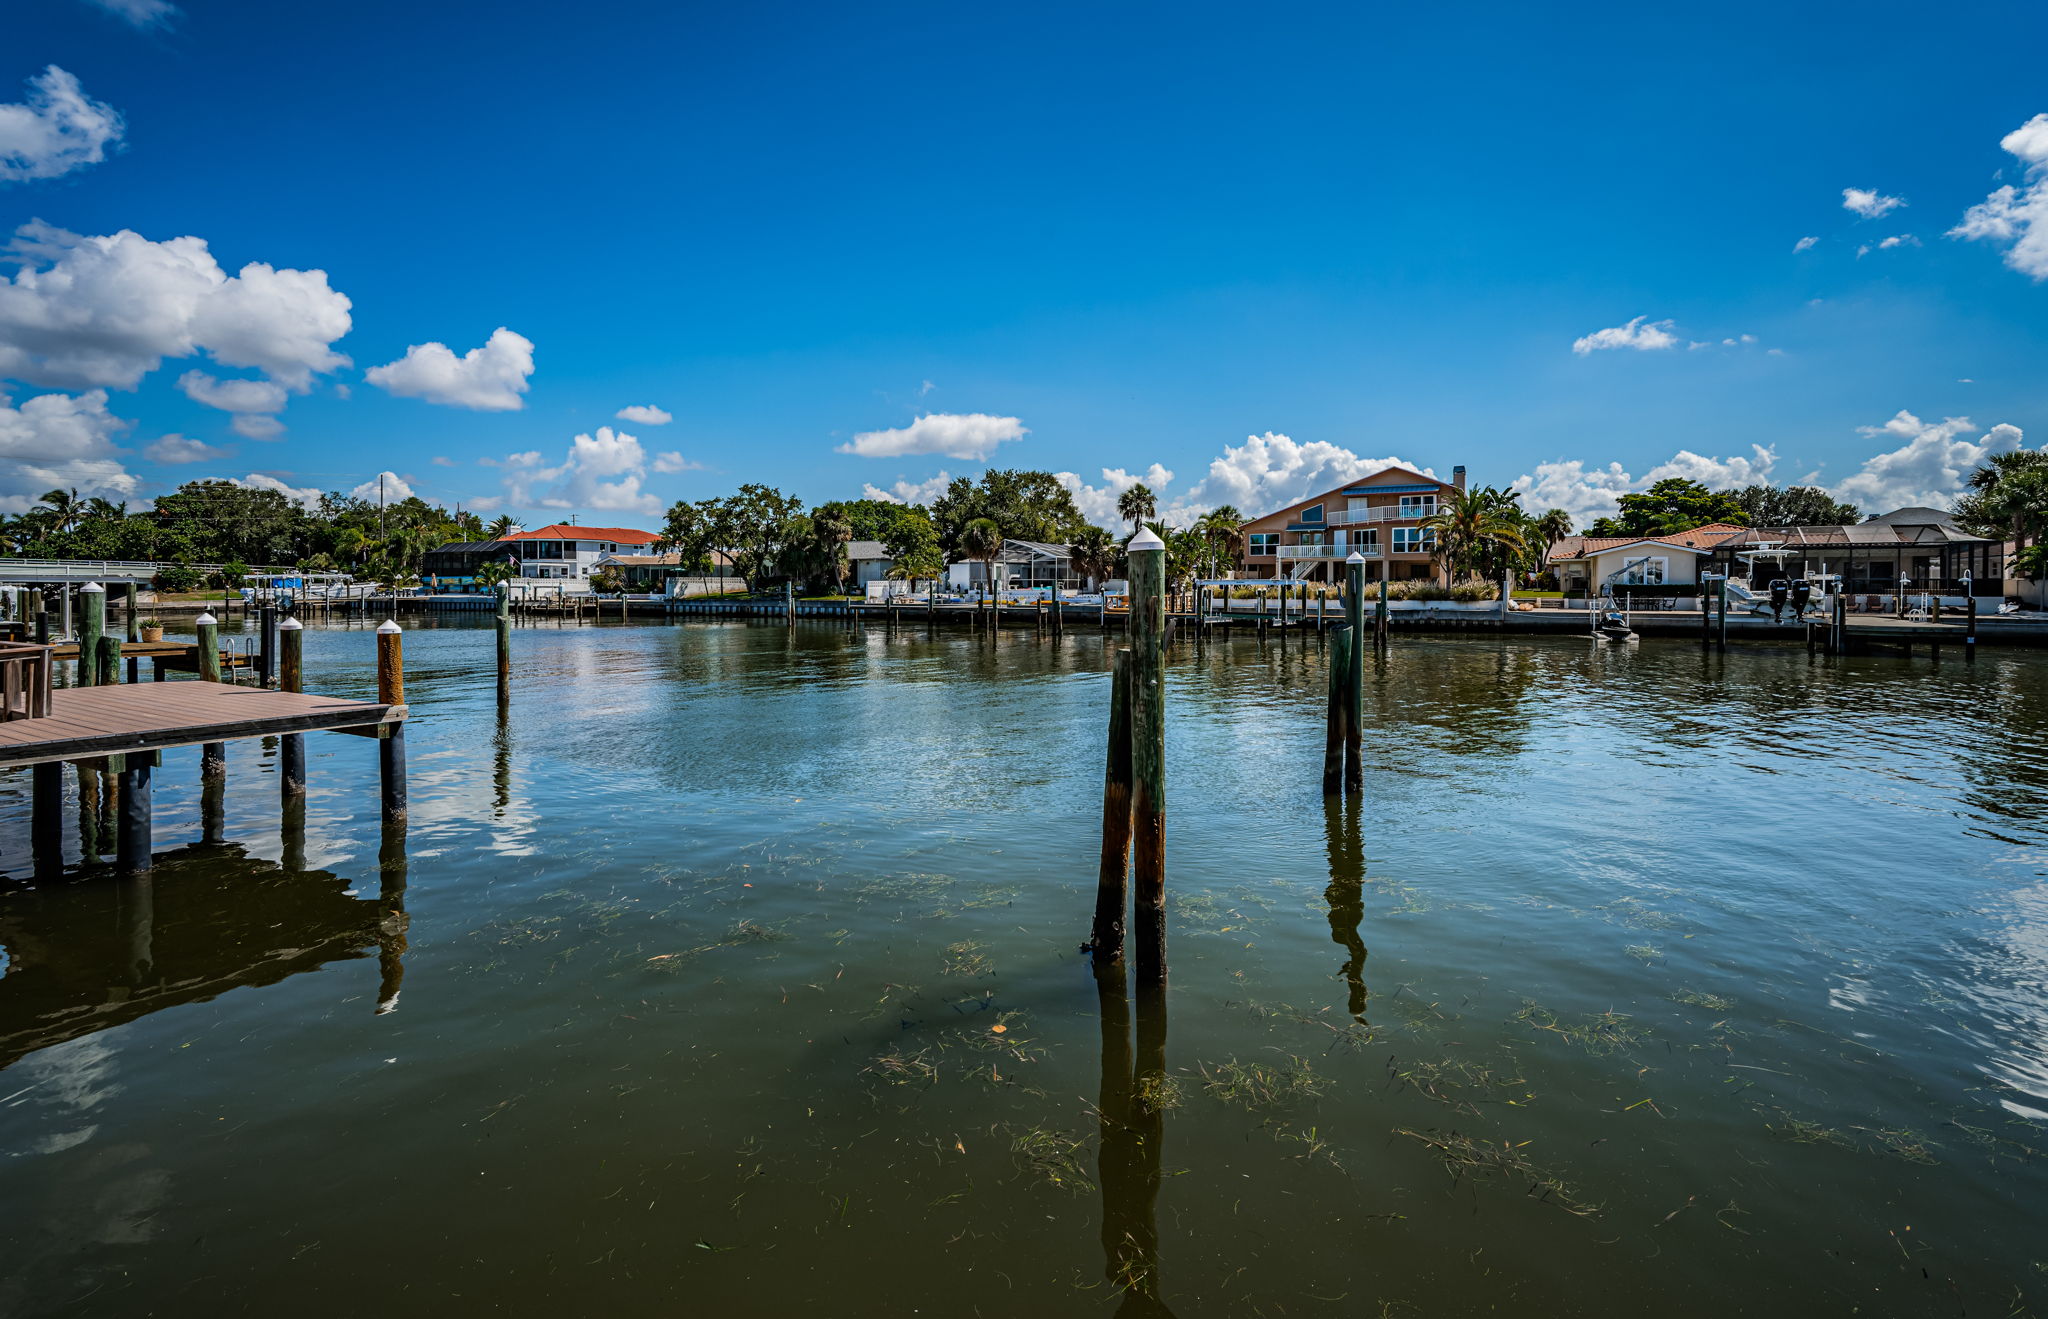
x=1092 y=239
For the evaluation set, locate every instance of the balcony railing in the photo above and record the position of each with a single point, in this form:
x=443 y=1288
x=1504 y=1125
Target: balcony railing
x=1328 y=551
x=1390 y=513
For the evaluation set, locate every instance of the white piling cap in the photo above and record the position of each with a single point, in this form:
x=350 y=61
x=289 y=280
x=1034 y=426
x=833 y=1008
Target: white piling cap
x=205 y=620
x=290 y=625
x=1355 y=557
x=93 y=586
x=1147 y=539
x=389 y=625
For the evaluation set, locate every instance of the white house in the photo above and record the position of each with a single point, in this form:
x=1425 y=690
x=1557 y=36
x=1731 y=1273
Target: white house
x=566 y=553
x=1583 y=562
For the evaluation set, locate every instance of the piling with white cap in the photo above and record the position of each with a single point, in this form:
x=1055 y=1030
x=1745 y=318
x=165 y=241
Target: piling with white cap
x=1148 y=755
x=92 y=625
x=391 y=736
x=213 y=757
x=291 y=674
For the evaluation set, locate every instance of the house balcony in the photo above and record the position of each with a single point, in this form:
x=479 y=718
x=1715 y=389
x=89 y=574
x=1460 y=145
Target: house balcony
x=1360 y=516
x=1328 y=551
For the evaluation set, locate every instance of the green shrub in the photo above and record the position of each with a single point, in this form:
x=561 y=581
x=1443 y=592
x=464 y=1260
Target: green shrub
x=176 y=577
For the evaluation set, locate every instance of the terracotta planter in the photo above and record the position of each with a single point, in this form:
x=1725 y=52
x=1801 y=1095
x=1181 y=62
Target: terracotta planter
x=152 y=634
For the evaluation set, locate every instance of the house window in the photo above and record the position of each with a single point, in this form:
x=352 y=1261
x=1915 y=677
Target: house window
x=1312 y=537
x=1418 y=506
x=1646 y=572
x=1368 y=537
x=546 y=549
x=1414 y=540
x=1312 y=514
x=1263 y=542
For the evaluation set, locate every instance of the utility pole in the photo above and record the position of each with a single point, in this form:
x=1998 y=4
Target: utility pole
x=380 y=506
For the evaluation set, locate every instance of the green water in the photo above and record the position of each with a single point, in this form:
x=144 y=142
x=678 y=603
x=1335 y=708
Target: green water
x=1645 y=982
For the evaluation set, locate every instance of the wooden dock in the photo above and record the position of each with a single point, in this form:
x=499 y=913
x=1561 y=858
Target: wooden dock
x=86 y=722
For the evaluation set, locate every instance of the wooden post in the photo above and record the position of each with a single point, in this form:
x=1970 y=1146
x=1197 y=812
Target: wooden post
x=789 y=603
x=1721 y=608
x=1059 y=624
x=1354 y=676
x=504 y=629
x=1970 y=631
x=134 y=633
x=92 y=625
x=108 y=661
x=213 y=757
x=1707 y=621
x=1383 y=617
x=291 y=669
x=1334 y=721
x=1148 y=753
x=1112 y=893
x=133 y=846
x=266 y=653
x=391 y=739
x=46 y=821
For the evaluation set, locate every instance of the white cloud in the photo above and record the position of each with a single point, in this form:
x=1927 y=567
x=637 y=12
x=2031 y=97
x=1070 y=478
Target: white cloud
x=1590 y=491
x=250 y=400
x=600 y=473
x=972 y=435
x=172 y=450
x=1928 y=468
x=306 y=497
x=2014 y=216
x=672 y=461
x=1098 y=503
x=1805 y=243
x=57 y=128
x=57 y=441
x=441 y=460
x=1898 y=240
x=103 y=312
x=1869 y=203
x=646 y=414
x=396 y=488
x=142 y=13
x=488 y=379
x=256 y=426
x=1271 y=471
x=925 y=387
x=909 y=492
x=1641 y=334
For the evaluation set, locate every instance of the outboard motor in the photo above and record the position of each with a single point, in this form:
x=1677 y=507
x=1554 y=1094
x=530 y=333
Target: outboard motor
x=1802 y=596
x=1779 y=590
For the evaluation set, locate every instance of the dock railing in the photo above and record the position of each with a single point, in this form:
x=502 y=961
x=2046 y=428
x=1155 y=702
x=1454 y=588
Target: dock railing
x=24 y=681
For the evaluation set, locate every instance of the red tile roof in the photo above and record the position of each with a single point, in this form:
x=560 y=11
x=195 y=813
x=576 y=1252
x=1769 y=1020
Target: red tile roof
x=565 y=531
x=1699 y=538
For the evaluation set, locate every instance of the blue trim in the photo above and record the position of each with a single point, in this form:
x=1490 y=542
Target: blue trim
x=1397 y=490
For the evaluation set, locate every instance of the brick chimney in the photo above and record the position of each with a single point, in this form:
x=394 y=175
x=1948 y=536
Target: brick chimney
x=1458 y=476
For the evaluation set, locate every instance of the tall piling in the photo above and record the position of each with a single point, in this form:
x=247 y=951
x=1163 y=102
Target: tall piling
x=391 y=737
x=134 y=631
x=107 y=661
x=1721 y=610
x=92 y=625
x=213 y=757
x=1383 y=621
x=1354 y=679
x=291 y=673
x=504 y=630
x=1341 y=642
x=1112 y=892
x=133 y=845
x=1148 y=754
x=1970 y=630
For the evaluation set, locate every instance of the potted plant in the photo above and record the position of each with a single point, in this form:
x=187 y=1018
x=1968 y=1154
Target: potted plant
x=152 y=629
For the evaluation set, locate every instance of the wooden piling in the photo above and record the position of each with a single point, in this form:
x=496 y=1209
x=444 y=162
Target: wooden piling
x=1112 y=892
x=1341 y=643
x=1970 y=631
x=504 y=630
x=107 y=661
x=1383 y=617
x=1148 y=754
x=1721 y=608
x=213 y=757
x=134 y=631
x=1707 y=621
x=92 y=625
x=1354 y=680
x=291 y=670
x=391 y=737
x=1059 y=624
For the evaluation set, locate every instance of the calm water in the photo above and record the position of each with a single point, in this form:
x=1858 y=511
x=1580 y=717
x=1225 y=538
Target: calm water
x=735 y=974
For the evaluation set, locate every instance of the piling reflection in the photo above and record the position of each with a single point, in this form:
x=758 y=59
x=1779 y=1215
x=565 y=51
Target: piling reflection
x=83 y=957
x=213 y=809
x=1345 y=897
x=1131 y=1111
x=392 y=920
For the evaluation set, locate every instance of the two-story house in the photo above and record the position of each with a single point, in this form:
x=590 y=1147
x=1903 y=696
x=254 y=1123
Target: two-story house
x=568 y=553
x=1379 y=517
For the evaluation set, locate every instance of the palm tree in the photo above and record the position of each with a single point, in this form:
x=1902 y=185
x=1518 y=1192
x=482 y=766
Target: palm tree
x=831 y=530
x=1472 y=528
x=982 y=539
x=1093 y=555
x=1553 y=527
x=1223 y=529
x=502 y=526
x=63 y=507
x=1135 y=505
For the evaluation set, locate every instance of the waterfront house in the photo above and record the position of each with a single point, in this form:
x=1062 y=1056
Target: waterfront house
x=452 y=568
x=1675 y=560
x=1923 y=545
x=1025 y=564
x=568 y=554
x=1378 y=516
x=866 y=561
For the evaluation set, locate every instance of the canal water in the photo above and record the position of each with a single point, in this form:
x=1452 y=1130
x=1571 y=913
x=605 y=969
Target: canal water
x=734 y=971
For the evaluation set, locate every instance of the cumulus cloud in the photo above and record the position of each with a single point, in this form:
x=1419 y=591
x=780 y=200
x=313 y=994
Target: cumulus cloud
x=396 y=488
x=102 y=312
x=1588 y=491
x=1270 y=471
x=1869 y=203
x=600 y=473
x=1642 y=334
x=2017 y=217
x=233 y=395
x=673 y=461
x=57 y=441
x=972 y=435
x=1928 y=467
x=57 y=128
x=646 y=414
x=142 y=13
x=1805 y=243
x=1098 y=502
x=256 y=426
x=172 y=450
x=306 y=497
x=909 y=492
x=487 y=379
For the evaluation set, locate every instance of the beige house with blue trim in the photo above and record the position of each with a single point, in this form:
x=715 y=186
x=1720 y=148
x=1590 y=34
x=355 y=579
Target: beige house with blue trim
x=1378 y=517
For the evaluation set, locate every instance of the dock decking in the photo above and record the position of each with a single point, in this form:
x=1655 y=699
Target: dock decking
x=109 y=721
